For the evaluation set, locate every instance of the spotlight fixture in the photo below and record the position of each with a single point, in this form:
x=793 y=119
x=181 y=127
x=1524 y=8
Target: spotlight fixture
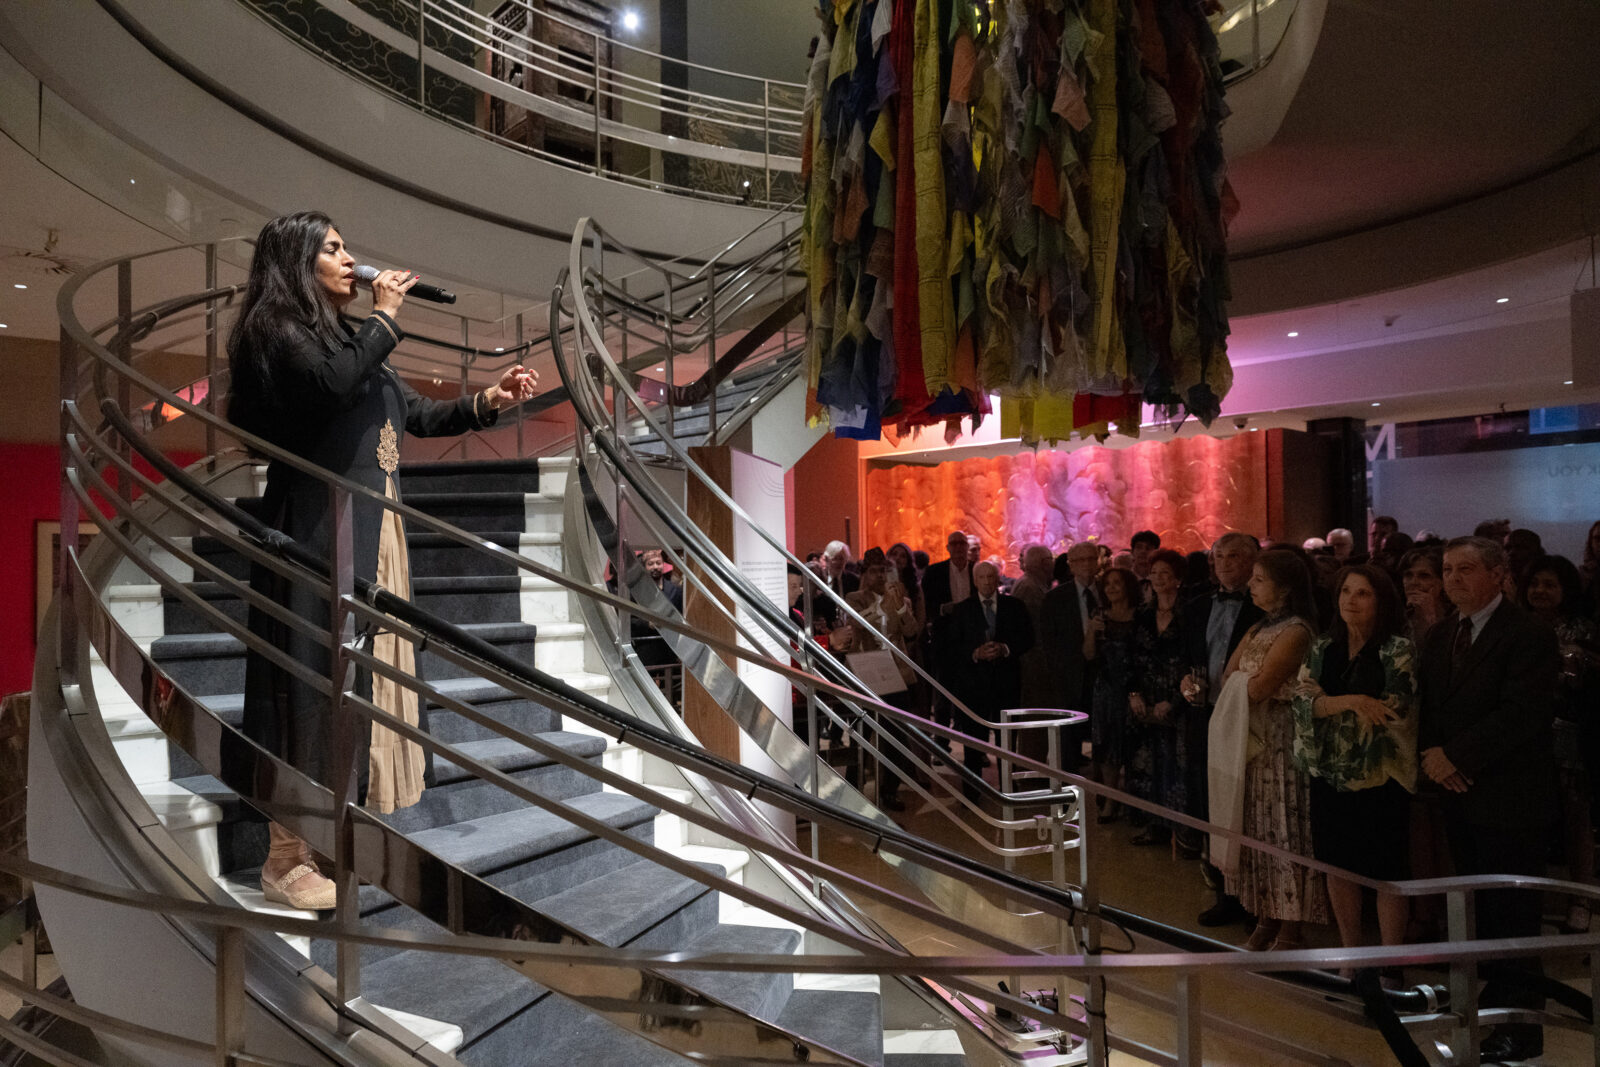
x=630 y=20
x=1503 y=300
x=1294 y=333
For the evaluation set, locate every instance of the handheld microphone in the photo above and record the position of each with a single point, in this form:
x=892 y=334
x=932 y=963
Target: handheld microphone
x=422 y=291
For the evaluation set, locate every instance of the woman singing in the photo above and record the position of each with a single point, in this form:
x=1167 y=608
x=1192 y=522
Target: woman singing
x=325 y=392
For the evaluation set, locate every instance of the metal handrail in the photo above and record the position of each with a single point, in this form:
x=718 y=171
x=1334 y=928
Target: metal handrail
x=889 y=840
x=777 y=126
x=85 y=445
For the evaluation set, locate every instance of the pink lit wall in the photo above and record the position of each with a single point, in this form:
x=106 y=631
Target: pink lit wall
x=1190 y=490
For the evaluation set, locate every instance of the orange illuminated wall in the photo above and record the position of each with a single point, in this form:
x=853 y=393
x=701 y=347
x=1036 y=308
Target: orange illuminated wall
x=1190 y=490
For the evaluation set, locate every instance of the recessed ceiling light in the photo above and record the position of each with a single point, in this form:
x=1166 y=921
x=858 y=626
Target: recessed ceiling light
x=3 y=326
x=1376 y=404
x=500 y=349
x=1567 y=382
x=1255 y=429
x=1503 y=300
x=18 y=285
x=132 y=182
x=1294 y=333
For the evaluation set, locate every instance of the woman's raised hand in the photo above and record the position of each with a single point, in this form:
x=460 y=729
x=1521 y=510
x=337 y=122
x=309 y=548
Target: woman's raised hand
x=515 y=385
x=389 y=290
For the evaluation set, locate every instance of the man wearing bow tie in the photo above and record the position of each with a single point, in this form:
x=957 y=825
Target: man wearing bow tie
x=1487 y=682
x=1213 y=625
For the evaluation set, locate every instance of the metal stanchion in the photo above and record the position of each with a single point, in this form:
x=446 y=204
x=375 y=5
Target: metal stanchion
x=344 y=723
x=1462 y=923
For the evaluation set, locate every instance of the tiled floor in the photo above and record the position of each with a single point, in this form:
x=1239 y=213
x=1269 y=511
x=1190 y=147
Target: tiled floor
x=1152 y=882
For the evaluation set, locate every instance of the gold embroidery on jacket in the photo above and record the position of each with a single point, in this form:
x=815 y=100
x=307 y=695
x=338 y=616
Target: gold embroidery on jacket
x=388 y=448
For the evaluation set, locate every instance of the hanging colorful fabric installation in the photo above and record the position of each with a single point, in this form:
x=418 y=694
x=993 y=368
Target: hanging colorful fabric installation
x=1022 y=197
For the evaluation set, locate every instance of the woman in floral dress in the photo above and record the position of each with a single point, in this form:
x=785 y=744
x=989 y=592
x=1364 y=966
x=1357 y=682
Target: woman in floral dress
x=1355 y=712
x=1277 y=808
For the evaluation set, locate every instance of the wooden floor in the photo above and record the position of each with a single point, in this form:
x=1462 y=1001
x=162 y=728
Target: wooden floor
x=1151 y=881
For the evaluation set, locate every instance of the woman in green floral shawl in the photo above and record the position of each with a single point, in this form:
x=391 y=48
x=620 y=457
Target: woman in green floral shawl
x=1355 y=712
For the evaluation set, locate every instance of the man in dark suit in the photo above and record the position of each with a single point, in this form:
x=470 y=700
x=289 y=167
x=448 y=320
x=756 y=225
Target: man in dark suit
x=835 y=560
x=944 y=585
x=1064 y=617
x=989 y=633
x=1213 y=625
x=1487 y=681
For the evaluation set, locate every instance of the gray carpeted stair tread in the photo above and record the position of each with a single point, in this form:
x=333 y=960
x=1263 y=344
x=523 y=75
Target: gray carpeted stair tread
x=555 y=1032
x=845 y=1021
x=618 y=907
x=504 y=754
x=460 y=476
x=762 y=995
x=496 y=842
x=203 y=645
x=474 y=993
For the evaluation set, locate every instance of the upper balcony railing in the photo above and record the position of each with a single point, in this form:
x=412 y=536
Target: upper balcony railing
x=562 y=87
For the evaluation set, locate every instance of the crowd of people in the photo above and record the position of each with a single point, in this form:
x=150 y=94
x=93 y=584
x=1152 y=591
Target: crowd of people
x=1421 y=708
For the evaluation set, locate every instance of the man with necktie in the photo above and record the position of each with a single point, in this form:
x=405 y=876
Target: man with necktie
x=1487 y=680
x=1213 y=625
x=944 y=585
x=989 y=634
x=1063 y=620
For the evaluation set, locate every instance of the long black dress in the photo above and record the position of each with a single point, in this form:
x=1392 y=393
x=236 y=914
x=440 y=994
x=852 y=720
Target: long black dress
x=344 y=409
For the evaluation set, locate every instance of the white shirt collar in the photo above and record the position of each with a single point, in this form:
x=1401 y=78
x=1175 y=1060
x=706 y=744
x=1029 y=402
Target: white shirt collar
x=1480 y=618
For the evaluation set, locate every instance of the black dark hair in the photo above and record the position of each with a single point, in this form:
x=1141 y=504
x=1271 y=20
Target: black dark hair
x=281 y=298
x=1062 y=570
x=1567 y=574
x=920 y=559
x=1173 y=559
x=1391 y=616
x=1145 y=537
x=1287 y=569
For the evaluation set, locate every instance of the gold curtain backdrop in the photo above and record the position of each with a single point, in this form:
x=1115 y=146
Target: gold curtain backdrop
x=1190 y=490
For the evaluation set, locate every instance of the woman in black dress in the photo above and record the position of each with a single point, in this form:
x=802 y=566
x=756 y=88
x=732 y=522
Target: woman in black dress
x=325 y=392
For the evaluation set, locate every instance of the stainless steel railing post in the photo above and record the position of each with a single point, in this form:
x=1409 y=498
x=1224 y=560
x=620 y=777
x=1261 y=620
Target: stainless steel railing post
x=711 y=354
x=811 y=725
x=1188 y=1004
x=522 y=413
x=66 y=614
x=599 y=154
x=211 y=355
x=230 y=1002
x=344 y=722
x=1094 y=1001
x=672 y=429
x=1462 y=922
x=124 y=353
x=766 y=136
x=422 y=54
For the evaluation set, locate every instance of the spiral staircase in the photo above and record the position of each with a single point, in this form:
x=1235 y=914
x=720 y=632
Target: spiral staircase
x=586 y=882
